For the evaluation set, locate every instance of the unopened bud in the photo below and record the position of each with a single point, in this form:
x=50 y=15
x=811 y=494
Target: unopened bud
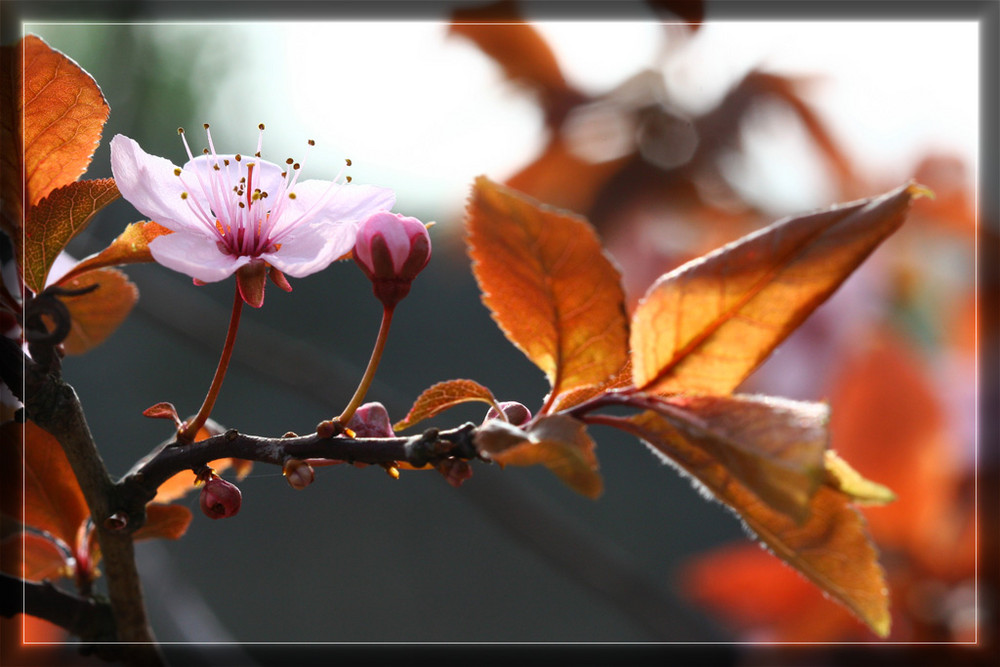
x=371 y=420
x=392 y=249
x=517 y=414
x=298 y=474
x=455 y=471
x=220 y=499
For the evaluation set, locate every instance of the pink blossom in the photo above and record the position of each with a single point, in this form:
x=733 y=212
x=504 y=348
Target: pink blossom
x=391 y=250
x=220 y=499
x=232 y=211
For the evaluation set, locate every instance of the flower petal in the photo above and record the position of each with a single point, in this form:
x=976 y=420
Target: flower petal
x=266 y=175
x=351 y=203
x=196 y=255
x=149 y=183
x=313 y=247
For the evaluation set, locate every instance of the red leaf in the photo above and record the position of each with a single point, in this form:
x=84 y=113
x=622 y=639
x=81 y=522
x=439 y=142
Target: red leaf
x=55 y=221
x=131 y=247
x=441 y=396
x=166 y=521
x=549 y=286
x=514 y=44
x=707 y=325
x=558 y=442
x=54 y=113
x=95 y=315
x=831 y=548
x=52 y=499
x=774 y=447
x=33 y=557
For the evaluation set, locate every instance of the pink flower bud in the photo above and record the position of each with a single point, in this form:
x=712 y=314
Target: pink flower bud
x=455 y=471
x=371 y=420
x=392 y=249
x=220 y=499
x=516 y=413
x=298 y=474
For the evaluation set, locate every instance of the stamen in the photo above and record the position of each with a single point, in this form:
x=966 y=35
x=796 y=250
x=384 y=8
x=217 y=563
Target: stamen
x=348 y=161
x=177 y=171
x=180 y=131
x=260 y=138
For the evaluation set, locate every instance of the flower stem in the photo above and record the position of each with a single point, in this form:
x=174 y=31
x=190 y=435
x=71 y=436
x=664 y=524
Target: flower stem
x=366 y=381
x=190 y=429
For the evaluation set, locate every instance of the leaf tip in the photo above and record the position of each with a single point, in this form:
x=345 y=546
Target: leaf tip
x=917 y=191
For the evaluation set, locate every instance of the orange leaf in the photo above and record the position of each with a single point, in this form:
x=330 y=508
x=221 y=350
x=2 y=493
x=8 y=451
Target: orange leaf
x=515 y=45
x=549 y=286
x=621 y=380
x=563 y=179
x=707 y=325
x=884 y=395
x=774 y=447
x=95 y=315
x=52 y=499
x=443 y=395
x=558 y=442
x=765 y=600
x=166 y=521
x=33 y=557
x=831 y=548
x=55 y=221
x=183 y=482
x=131 y=247
x=63 y=113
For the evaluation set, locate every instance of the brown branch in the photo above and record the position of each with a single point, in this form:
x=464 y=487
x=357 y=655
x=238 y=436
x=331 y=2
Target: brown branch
x=139 y=486
x=53 y=405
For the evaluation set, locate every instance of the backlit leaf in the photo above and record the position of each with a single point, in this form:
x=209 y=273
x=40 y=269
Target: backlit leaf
x=707 y=325
x=774 y=447
x=889 y=421
x=841 y=476
x=97 y=314
x=831 y=548
x=131 y=247
x=166 y=521
x=761 y=598
x=55 y=221
x=558 y=442
x=63 y=115
x=33 y=557
x=514 y=44
x=621 y=380
x=441 y=396
x=549 y=286
x=183 y=482
x=50 y=497
x=561 y=178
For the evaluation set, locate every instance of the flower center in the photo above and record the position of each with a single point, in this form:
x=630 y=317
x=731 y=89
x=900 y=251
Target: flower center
x=244 y=203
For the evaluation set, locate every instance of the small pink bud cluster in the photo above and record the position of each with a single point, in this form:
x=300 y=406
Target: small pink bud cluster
x=371 y=420
x=517 y=414
x=455 y=471
x=219 y=499
x=392 y=249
